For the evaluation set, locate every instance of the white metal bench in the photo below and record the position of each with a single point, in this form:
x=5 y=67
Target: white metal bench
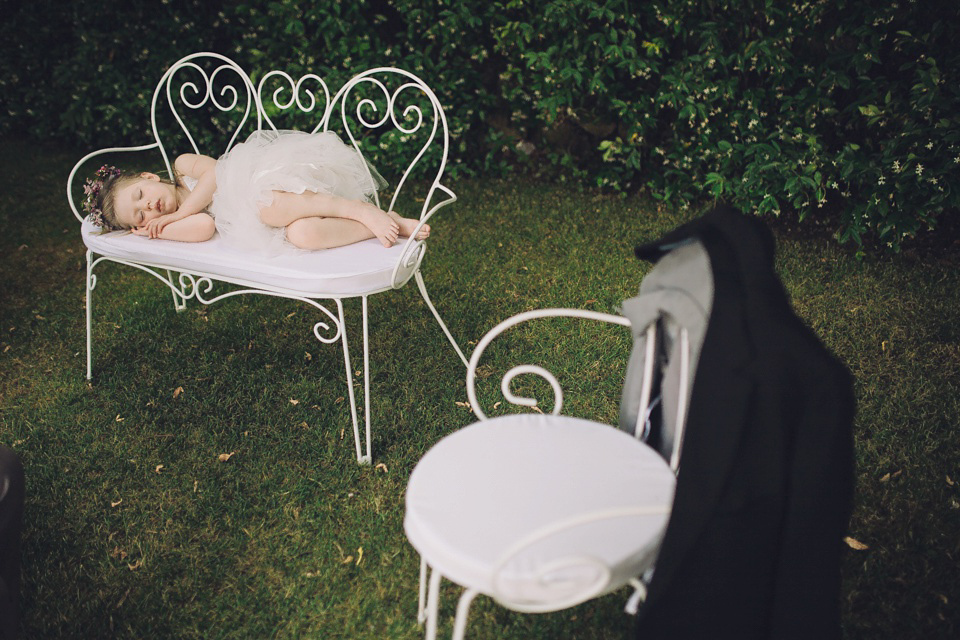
x=208 y=89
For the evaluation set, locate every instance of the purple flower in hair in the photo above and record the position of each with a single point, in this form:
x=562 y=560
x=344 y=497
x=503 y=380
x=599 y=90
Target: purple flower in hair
x=92 y=189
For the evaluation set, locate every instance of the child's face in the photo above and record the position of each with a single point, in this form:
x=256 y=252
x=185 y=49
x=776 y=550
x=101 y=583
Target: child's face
x=143 y=200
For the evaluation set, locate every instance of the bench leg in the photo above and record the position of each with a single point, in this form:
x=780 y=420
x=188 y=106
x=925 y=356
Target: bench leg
x=446 y=332
x=361 y=458
x=368 y=458
x=91 y=281
x=179 y=302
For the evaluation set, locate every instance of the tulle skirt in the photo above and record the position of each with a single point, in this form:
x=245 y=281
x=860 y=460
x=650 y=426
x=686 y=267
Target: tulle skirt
x=292 y=161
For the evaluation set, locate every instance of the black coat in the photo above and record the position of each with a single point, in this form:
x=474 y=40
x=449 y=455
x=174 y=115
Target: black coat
x=764 y=491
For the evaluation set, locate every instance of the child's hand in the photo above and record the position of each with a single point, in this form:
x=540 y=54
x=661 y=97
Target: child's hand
x=155 y=226
x=140 y=231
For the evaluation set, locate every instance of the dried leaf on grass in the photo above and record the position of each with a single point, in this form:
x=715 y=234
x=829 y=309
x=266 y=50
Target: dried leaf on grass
x=223 y=457
x=950 y=481
x=136 y=565
x=294 y=402
x=855 y=544
x=124 y=598
x=159 y=467
x=380 y=465
x=889 y=476
x=176 y=394
x=359 y=555
x=484 y=371
x=117 y=503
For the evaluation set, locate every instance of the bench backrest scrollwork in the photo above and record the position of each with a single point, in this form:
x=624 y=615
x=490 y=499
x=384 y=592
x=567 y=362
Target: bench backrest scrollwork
x=388 y=115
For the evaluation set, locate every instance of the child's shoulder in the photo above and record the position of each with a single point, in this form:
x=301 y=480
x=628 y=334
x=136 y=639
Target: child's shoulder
x=193 y=164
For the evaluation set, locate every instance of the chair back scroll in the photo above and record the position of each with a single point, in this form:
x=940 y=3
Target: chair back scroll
x=525 y=369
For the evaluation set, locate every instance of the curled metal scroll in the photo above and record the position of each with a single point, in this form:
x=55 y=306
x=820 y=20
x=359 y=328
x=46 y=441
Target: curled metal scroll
x=522 y=369
x=410 y=120
x=190 y=287
x=391 y=99
x=306 y=101
x=207 y=94
x=544 y=575
x=194 y=286
x=522 y=401
x=410 y=259
x=200 y=90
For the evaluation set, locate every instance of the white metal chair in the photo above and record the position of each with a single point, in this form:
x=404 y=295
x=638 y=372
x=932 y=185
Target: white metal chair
x=213 y=89
x=542 y=512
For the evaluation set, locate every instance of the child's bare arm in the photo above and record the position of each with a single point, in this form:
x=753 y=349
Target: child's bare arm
x=195 y=228
x=203 y=170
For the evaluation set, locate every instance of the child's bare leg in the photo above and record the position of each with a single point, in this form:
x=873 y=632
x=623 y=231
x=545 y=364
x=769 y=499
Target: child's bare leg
x=326 y=233
x=289 y=207
x=407 y=225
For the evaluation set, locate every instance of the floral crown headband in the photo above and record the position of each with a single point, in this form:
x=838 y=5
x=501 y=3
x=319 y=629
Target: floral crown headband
x=92 y=189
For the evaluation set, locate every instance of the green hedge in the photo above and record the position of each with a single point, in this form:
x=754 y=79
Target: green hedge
x=846 y=109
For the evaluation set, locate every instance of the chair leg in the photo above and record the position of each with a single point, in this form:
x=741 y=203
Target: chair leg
x=349 y=371
x=421 y=600
x=433 y=598
x=179 y=302
x=91 y=283
x=463 y=610
x=436 y=314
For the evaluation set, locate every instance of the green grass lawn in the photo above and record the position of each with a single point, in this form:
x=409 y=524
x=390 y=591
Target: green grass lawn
x=135 y=528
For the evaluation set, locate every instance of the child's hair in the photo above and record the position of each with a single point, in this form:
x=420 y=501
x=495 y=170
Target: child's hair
x=101 y=191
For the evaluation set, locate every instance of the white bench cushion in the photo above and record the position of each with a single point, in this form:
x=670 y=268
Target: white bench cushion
x=357 y=269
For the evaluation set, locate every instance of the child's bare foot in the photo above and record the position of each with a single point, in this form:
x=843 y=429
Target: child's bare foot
x=407 y=226
x=383 y=226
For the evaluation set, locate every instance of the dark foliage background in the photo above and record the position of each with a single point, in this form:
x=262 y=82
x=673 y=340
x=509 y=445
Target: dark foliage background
x=847 y=110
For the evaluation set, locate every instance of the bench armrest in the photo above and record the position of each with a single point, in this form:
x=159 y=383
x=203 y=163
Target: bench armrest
x=71 y=188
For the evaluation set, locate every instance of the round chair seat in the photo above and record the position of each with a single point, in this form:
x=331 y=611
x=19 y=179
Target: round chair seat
x=539 y=511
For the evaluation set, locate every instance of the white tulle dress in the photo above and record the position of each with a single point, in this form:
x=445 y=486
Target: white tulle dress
x=292 y=161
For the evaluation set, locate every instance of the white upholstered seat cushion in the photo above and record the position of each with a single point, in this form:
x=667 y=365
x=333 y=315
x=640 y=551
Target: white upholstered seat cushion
x=482 y=490
x=357 y=269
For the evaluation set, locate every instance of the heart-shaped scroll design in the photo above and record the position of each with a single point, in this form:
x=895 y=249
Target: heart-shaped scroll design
x=390 y=116
x=280 y=96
